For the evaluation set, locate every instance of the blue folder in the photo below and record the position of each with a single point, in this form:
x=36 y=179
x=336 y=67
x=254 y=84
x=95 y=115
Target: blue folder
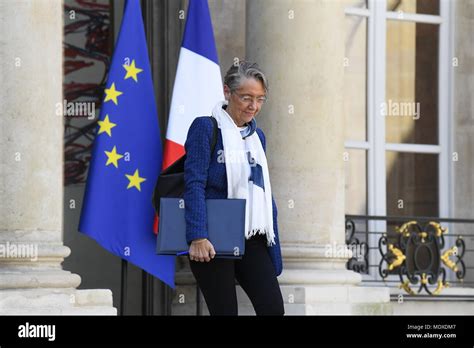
x=225 y=227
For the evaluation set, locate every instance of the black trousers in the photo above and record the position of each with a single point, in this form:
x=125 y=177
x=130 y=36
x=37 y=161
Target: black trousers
x=255 y=274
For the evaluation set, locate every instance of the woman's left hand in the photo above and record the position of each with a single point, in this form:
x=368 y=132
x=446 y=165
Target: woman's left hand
x=201 y=250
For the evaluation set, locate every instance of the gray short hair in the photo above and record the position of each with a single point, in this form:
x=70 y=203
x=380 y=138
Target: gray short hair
x=244 y=69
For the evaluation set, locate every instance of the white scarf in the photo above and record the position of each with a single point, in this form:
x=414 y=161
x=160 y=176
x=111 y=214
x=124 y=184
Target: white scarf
x=259 y=208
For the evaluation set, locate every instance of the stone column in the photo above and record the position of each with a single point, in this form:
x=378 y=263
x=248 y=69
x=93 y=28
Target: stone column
x=31 y=167
x=300 y=46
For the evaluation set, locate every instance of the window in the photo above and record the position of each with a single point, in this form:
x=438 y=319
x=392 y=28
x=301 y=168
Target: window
x=396 y=97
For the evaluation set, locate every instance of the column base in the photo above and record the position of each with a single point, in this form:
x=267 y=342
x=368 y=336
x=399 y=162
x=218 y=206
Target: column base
x=37 y=284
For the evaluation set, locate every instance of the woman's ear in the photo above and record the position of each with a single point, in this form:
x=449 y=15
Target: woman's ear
x=226 y=92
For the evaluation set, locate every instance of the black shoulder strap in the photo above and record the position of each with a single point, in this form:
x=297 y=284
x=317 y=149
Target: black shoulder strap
x=214 y=134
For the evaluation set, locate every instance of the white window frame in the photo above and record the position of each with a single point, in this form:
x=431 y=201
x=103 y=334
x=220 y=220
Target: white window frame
x=375 y=144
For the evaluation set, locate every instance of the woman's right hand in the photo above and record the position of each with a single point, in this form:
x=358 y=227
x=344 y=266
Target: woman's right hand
x=201 y=250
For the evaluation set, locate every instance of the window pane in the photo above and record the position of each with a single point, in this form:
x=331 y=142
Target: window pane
x=412 y=184
x=88 y=44
x=356 y=3
x=356 y=181
x=355 y=77
x=414 y=6
x=411 y=105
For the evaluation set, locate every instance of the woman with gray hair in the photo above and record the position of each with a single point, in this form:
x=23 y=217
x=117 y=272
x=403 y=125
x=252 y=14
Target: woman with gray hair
x=207 y=176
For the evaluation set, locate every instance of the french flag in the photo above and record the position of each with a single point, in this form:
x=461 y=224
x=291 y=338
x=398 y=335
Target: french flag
x=198 y=83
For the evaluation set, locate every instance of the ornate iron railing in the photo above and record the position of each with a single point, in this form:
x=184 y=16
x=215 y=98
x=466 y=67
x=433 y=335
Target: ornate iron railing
x=412 y=249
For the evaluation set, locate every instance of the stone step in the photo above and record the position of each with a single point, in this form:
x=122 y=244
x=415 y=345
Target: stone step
x=56 y=302
x=305 y=300
x=451 y=301
x=87 y=310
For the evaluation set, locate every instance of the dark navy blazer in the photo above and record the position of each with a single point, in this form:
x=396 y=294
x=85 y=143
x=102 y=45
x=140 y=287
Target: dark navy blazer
x=205 y=177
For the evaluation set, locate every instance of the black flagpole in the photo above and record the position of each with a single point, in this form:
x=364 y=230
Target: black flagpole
x=123 y=287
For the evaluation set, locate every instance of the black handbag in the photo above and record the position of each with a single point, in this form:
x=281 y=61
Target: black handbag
x=170 y=182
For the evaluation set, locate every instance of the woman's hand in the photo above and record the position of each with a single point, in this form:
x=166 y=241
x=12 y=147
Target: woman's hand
x=201 y=250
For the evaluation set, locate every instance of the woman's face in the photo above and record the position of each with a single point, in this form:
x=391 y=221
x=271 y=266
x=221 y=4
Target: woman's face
x=245 y=103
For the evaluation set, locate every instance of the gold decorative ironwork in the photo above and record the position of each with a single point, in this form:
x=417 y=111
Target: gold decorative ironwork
x=447 y=261
x=423 y=236
x=417 y=257
x=405 y=286
x=399 y=257
x=404 y=228
x=441 y=286
x=438 y=228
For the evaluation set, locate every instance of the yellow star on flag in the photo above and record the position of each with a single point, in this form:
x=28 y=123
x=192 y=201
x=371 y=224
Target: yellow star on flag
x=113 y=157
x=112 y=94
x=135 y=180
x=106 y=126
x=132 y=71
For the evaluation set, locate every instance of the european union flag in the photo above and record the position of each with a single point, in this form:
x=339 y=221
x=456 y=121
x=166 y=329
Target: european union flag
x=127 y=157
